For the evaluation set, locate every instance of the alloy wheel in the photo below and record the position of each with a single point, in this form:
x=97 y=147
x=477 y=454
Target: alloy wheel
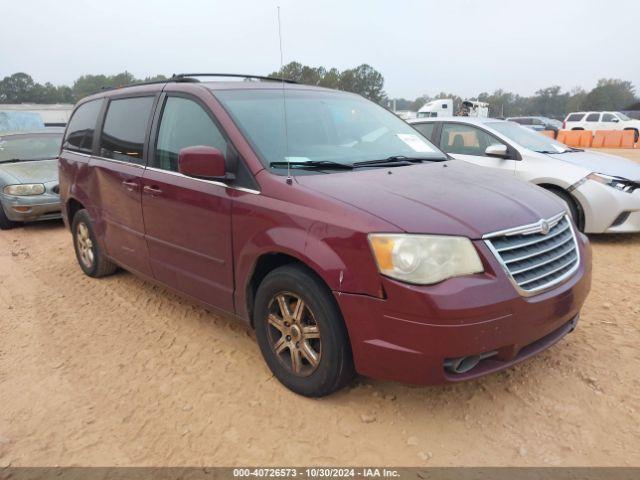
x=294 y=334
x=85 y=245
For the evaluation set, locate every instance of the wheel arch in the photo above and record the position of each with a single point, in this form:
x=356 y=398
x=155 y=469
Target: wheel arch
x=72 y=206
x=266 y=263
x=557 y=188
x=634 y=129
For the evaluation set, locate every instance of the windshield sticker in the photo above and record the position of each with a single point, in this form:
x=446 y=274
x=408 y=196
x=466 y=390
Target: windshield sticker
x=415 y=142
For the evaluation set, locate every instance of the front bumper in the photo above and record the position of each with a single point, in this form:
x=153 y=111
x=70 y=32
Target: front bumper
x=607 y=210
x=31 y=208
x=409 y=335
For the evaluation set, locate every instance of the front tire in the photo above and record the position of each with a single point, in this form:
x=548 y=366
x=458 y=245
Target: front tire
x=301 y=332
x=5 y=223
x=574 y=212
x=90 y=257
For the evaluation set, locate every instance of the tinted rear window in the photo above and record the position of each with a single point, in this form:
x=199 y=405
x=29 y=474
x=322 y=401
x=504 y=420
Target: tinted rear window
x=575 y=117
x=82 y=127
x=593 y=117
x=125 y=127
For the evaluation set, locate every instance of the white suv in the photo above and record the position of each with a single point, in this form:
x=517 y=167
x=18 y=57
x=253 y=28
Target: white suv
x=601 y=121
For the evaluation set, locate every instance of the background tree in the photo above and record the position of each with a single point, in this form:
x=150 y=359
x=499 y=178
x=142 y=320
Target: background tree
x=610 y=94
x=16 y=88
x=90 y=84
x=364 y=79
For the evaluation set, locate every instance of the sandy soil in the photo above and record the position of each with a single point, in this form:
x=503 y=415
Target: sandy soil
x=119 y=372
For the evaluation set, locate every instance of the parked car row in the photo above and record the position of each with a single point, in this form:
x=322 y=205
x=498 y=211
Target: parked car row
x=351 y=241
x=539 y=123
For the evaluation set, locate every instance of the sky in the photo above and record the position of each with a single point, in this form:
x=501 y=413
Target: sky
x=420 y=47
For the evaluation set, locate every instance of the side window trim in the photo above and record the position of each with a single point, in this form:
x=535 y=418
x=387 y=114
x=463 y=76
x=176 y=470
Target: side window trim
x=154 y=131
x=513 y=152
x=96 y=126
x=103 y=114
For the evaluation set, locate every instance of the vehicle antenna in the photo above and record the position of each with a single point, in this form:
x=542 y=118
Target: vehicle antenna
x=284 y=104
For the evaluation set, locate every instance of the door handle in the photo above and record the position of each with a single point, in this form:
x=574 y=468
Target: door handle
x=130 y=185
x=155 y=191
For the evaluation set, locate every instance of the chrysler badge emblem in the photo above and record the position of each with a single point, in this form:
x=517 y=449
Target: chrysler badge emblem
x=544 y=227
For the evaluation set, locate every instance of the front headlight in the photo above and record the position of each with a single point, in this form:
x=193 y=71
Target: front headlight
x=25 y=189
x=424 y=259
x=621 y=184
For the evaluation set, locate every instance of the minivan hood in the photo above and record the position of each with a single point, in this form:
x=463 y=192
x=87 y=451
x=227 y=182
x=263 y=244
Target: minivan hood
x=601 y=163
x=37 y=171
x=448 y=198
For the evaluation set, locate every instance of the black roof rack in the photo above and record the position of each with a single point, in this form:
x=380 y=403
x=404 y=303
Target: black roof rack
x=189 y=77
x=135 y=84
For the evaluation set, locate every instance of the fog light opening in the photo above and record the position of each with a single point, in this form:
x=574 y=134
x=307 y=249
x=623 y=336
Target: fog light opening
x=621 y=219
x=21 y=209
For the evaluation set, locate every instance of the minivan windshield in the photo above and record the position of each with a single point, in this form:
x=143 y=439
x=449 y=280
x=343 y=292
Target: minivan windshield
x=528 y=138
x=324 y=128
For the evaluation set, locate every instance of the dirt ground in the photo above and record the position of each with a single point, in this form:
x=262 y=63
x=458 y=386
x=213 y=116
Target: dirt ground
x=119 y=372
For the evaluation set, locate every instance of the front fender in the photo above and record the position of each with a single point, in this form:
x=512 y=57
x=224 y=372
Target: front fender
x=343 y=262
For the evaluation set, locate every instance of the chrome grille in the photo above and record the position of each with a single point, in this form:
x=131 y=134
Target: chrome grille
x=536 y=261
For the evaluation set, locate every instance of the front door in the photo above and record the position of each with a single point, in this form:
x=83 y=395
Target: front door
x=468 y=143
x=187 y=220
x=117 y=171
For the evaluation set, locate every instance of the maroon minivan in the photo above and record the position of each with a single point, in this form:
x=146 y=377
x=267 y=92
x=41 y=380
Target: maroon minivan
x=345 y=238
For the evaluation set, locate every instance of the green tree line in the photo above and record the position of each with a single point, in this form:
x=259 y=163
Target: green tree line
x=21 y=88
x=608 y=94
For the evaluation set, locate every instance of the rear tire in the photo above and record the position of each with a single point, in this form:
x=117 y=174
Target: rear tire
x=301 y=332
x=5 y=223
x=636 y=134
x=90 y=257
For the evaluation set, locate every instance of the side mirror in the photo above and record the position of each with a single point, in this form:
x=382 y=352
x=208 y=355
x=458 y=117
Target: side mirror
x=497 y=150
x=615 y=120
x=203 y=162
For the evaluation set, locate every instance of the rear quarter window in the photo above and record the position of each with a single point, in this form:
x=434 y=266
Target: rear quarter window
x=82 y=126
x=125 y=127
x=575 y=117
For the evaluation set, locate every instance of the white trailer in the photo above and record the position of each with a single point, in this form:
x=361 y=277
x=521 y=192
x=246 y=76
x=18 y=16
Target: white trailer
x=472 y=108
x=436 y=108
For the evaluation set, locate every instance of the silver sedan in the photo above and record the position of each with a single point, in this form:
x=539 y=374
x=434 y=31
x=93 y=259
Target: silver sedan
x=29 y=176
x=601 y=192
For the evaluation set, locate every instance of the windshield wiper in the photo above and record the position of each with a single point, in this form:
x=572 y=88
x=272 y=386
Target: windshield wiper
x=315 y=164
x=395 y=161
x=568 y=150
